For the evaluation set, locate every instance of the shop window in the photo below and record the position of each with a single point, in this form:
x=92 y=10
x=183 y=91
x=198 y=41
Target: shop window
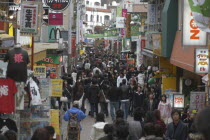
x=87 y=2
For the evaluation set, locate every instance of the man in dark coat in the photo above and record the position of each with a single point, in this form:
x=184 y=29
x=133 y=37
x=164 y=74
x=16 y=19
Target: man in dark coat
x=94 y=97
x=176 y=130
x=150 y=104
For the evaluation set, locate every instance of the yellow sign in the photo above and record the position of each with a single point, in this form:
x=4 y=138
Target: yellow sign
x=40 y=71
x=81 y=52
x=57 y=87
x=157 y=44
x=54 y=120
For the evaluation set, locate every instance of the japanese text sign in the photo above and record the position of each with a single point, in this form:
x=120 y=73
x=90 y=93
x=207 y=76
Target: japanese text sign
x=191 y=35
x=197 y=100
x=54 y=120
x=29 y=16
x=40 y=71
x=201 y=61
x=57 y=5
x=57 y=87
x=120 y=22
x=178 y=101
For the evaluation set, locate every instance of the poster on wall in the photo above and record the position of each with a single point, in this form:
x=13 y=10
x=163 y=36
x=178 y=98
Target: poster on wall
x=191 y=35
x=201 y=61
x=57 y=87
x=40 y=71
x=151 y=13
x=54 y=120
x=178 y=101
x=197 y=100
x=157 y=44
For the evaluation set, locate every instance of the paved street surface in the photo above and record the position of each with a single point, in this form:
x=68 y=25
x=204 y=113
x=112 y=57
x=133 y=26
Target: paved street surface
x=86 y=124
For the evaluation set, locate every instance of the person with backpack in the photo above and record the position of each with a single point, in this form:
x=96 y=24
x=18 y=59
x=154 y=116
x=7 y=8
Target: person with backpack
x=74 y=116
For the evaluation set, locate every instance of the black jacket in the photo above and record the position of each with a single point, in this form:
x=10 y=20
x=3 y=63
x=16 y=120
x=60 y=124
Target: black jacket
x=147 y=105
x=124 y=90
x=113 y=94
x=94 y=94
x=138 y=100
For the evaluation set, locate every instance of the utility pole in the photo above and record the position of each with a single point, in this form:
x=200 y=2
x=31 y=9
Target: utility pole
x=70 y=10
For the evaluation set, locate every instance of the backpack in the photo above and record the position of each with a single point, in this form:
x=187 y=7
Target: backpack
x=73 y=126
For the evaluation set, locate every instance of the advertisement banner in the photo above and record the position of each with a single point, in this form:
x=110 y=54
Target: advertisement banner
x=119 y=11
x=201 y=14
x=134 y=30
x=157 y=44
x=197 y=100
x=40 y=71
x=151 y=13
x=120 y=22
x=128 y=27
x=191 y=35
x=55 y=18
x=54 y=33
x=57 y=87
x=201 y=61
x=57 y=5
x=73 y=46
x=124 y=14
x=29 y=16
x=54 y=120
x=178 y=101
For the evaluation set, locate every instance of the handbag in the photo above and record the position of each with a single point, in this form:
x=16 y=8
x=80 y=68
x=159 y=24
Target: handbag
x=64 y=99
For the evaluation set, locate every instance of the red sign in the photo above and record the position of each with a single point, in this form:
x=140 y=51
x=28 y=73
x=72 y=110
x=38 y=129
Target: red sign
x=124 y=14
x=143 y=44
x=73 y=46
x=55 y=18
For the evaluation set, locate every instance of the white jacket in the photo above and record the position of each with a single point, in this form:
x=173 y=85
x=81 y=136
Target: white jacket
x=97 y=131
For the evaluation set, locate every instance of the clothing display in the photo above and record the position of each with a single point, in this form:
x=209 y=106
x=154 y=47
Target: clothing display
x=17 y=65
x=34 y=93
x=20 y=96
x=7 y=92
x=7 y=124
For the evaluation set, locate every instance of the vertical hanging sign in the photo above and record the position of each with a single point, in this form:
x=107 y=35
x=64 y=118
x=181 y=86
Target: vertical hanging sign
x=29 y=16
x=124 y=14
x=201 y=61
x=191 y=35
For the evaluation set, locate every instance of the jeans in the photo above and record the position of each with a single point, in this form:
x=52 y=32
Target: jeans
x=67 y=105
x=114 y=106
x=125 y=108
x=94 y=108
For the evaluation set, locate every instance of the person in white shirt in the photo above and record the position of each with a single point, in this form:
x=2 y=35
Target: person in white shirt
x=120 y=79
x=95 y=69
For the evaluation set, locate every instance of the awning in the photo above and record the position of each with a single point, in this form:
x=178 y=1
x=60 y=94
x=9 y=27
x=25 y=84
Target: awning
x=148 y=53
x=50 y=60
x=183 y=57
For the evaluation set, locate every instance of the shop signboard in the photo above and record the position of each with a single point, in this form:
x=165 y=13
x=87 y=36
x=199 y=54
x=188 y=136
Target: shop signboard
x=29 y=16
x=57 y=87
x=55 y=18
x=57 y=5
x=45 y=90
x=124 y=14
x=128 y=27
x=54 y=120
x=143 y=44
x=54 y=33
x=119 y=11
x=40 y=71
x=178 y=101
x=157 y=44
x=201 y=13
x=191 y=35
x=151 y=13
x=73 y=46
x=120 y=22
x=201 y=61
x=197 y=100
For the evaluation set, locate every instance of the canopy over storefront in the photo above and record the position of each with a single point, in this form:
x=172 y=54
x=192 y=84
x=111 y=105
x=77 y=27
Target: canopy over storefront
x=50 y=60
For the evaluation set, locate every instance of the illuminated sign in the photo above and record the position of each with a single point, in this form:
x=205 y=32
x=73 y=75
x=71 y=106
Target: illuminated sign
x=57 y=5
x=191 y=35
x=178 y=101
x=201 y=61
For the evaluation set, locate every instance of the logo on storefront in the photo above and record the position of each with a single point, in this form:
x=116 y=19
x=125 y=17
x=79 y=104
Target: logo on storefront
x=57 y=5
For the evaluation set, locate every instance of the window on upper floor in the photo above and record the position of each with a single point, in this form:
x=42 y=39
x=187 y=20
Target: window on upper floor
x=86 y=17
x=91 y=18
x=96 y=4
x=106 y=17
x=87 y=2
x=97 y=18
x=101 y=19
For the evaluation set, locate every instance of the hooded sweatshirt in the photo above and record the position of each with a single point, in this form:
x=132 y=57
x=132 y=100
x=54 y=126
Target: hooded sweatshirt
x=97 y=131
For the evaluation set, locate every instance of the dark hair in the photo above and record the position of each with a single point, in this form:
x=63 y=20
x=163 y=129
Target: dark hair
x=123 y=81
x=108 y=129
x=137 y=115
x=11 y=135
x=157 y=114
x=119 y=114
x=100 y=117
x=40 y=134
x=149 y=117
x=202 y=122
x=2 y=137
x=122 y=130
x=149 y=129
x=158 y=130
x=176 y=111
x=50 y=130
x=94 y=81
x=163 y=96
